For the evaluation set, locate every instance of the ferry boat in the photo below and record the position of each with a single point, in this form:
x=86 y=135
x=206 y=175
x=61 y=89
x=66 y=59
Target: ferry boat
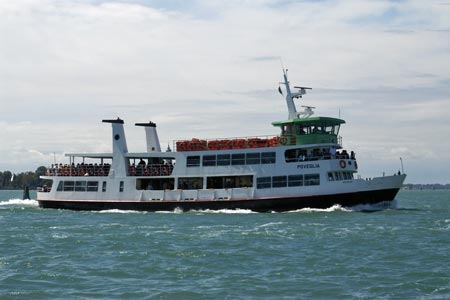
x=304 y=166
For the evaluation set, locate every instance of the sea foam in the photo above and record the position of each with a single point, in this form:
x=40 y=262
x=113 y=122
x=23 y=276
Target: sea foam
x=333 y=208
x=19 y=202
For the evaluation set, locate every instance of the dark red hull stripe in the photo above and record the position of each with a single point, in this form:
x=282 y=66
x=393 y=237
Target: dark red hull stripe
x=258 y=205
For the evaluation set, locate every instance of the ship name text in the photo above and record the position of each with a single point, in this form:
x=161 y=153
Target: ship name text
x=308 y=166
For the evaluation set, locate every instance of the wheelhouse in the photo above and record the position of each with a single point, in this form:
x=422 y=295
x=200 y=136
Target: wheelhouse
x=313 y=130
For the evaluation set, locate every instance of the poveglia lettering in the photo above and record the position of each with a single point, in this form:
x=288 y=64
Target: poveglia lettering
x=308 y=166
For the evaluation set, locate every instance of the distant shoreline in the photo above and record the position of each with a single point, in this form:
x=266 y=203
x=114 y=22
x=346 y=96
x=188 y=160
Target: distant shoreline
x=430 y=186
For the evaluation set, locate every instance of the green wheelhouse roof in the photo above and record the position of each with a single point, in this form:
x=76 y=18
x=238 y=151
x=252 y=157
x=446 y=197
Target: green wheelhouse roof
x=309 y=121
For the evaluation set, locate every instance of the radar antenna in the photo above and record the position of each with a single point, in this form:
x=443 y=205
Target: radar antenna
x=307 y=112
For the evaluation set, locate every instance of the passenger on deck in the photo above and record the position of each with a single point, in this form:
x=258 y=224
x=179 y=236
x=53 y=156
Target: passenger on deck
x=345 y=154
x=352 y=155
x=333 y=152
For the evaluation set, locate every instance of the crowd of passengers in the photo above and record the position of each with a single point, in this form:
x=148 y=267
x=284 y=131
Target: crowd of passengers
x=151 y=169
x=80 y=169
x=318 y=154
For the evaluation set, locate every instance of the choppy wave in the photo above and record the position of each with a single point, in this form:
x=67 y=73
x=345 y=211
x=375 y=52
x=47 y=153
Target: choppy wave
x=19 y=202
x=333 y=208
x=119 y=211
x=226 y=211
x=376 y=206
x=210 y=211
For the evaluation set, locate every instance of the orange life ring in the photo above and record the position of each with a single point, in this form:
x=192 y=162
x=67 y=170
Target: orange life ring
x=342 y=163
x=283 y=140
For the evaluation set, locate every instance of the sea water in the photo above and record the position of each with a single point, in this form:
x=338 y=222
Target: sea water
x=402 y=252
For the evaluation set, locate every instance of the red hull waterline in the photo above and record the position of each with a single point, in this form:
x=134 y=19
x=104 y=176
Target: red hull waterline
x=257 y=205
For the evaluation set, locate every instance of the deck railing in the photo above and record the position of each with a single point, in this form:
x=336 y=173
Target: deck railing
x=78 y=170
x=150 y=170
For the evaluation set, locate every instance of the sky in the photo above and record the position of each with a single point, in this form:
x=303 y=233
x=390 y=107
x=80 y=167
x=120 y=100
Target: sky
x=209 y=69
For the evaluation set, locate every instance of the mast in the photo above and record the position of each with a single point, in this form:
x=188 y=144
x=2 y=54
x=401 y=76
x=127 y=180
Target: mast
x=292 y=110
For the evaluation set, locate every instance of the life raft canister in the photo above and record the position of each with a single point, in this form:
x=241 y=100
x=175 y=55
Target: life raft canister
x=342 y=164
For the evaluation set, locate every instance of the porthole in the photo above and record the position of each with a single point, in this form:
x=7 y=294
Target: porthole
x=117 y=137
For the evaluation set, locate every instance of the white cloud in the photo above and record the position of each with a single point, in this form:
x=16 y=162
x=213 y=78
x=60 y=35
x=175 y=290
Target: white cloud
x=206 y=68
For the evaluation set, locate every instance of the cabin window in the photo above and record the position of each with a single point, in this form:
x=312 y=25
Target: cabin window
x=69 y=186
x=268 y=157
x=60 y=186
x=330 y=176
x=312 y=179
x=158 y=184
x=190 y=183
x=223 y=159
x=221 y=182
x=337 y=176
x=253 y=158
x=296 y=155
x=80 y=186
x=92 y=186
x=121 y=186
x=278 y=181
x=238 y=159
x=104 y=186
x=295 y=180
x=264 y=182
x=193 y=161
x=209 y=160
